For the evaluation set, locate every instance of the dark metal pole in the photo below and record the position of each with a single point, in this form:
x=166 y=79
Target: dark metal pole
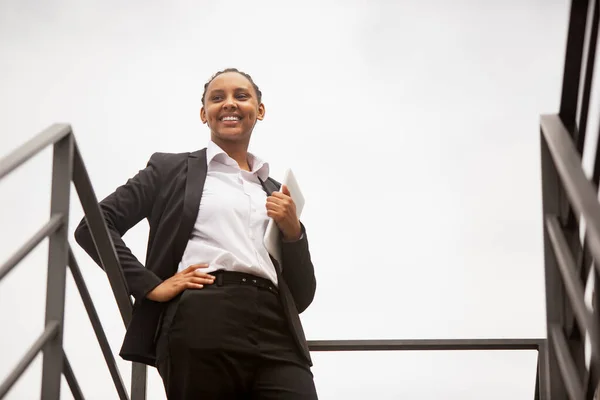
x=543 y=384
x=139 y=377
x=58 y=255
x=71 y=380
x=573 y=61
x=552 y=195
x=589 y=53
x=48 y=136
x=566 y=365
x=424 y=344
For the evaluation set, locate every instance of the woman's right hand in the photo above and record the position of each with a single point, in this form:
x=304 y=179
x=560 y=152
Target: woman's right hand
x=189 y=278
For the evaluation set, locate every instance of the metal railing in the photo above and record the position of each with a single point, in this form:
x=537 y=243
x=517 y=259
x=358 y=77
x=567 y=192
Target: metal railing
x=570 y=204
x=68 y=167
x=541 y=383
x=571 y=214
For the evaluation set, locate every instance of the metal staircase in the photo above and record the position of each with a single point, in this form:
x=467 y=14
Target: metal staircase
x=571 y=244
x=571 y=214
x=68 y=167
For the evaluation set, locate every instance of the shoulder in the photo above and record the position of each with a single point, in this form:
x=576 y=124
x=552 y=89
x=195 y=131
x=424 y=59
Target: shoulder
x=166 y=160
x=168 y=166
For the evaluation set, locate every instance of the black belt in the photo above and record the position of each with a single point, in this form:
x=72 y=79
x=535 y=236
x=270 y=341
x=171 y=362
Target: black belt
x=242 y=278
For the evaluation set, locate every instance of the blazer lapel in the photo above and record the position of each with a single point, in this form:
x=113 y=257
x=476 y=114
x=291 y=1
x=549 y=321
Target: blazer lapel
x=194 y=185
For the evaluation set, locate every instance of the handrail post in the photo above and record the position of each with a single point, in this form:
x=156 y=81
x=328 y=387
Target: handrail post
x=543 y=383
x=58 y=255
x=553 y=198
x=139 y=376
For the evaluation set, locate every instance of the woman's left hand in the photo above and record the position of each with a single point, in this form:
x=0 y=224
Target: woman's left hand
x=282 y=209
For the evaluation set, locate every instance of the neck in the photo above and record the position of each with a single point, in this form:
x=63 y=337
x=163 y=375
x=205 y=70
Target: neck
x=236 y=150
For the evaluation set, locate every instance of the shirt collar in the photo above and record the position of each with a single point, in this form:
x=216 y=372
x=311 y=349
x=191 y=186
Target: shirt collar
x=214 y=153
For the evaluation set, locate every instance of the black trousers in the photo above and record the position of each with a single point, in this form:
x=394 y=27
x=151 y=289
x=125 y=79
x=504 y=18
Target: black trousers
x=230 y=342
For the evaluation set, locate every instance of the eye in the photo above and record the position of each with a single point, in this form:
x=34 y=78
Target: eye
x=242 y=96
x=216 y=98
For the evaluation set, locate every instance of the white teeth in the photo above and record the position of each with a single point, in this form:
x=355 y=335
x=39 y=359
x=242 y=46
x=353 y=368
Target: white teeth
x=233 y=118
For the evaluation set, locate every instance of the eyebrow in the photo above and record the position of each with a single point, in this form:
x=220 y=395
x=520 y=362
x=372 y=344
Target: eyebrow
x=238 y=89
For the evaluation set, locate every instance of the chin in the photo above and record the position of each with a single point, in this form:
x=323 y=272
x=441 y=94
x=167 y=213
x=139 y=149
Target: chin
x=233 y=137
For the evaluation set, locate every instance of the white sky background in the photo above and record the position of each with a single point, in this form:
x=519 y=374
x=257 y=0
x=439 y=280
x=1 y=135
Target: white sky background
x=413 y=129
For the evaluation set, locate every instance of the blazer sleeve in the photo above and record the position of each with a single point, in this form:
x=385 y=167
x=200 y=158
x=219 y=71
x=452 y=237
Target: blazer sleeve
x=298 y=271
x=122 y=210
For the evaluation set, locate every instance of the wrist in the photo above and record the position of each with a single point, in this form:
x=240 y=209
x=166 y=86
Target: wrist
x=153 y=294
x=295 y=236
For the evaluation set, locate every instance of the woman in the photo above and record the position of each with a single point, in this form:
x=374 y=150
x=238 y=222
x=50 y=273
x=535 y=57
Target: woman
x=214 y=312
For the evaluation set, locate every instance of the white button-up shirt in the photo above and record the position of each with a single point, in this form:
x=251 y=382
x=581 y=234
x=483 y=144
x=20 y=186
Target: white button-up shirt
x=232 y=219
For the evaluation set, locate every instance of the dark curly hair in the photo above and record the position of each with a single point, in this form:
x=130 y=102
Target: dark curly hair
x=256 y=89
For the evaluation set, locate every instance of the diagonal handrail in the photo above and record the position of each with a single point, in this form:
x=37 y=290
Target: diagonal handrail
x=50 y=331
x=577 y=187
x=566 y=363
x=55 y=222
x=71 y=380
x=47 y=137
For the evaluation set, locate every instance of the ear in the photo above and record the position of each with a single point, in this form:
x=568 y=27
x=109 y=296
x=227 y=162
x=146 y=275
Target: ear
x=261 y=112
x=203 y=116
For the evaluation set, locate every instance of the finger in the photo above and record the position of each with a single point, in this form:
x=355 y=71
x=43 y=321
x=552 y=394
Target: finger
x=279 y=195
x=202 y=276
x=285 y=190
x=275 y=206
x=279 y=204
x=275 y=215
x=203 y=265
x=192 y=285
x=189 y=269
x=283 y=200
x=202 y=281
x=194 y=267
x=275 y=200
x=198 y=272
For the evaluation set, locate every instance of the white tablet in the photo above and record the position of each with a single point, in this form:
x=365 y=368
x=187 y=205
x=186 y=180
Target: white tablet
x=272 y=234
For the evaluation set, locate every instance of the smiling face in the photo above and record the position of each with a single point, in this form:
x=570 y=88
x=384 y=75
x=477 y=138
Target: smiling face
x=231 y=108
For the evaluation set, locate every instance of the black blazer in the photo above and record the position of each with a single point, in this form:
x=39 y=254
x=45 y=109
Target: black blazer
x=168 y=193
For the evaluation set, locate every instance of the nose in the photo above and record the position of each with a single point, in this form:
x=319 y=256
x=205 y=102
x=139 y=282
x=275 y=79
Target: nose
x=229 y=104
